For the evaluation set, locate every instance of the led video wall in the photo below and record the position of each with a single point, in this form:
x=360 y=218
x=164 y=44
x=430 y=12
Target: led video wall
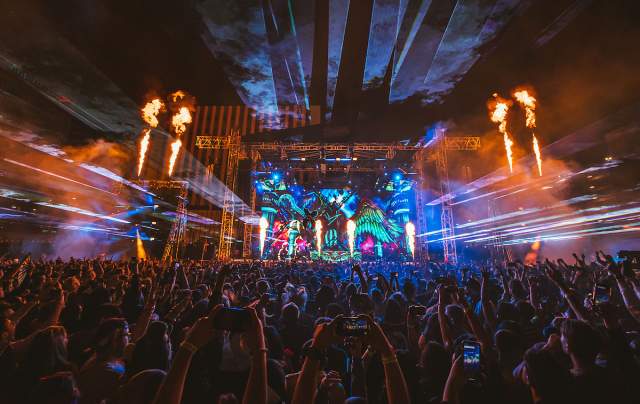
x=294 y=214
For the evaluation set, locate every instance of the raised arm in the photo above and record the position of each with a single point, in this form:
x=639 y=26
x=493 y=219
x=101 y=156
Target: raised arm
x=364 y=285
x=631 y=301
x=323 y=336
x=256 y=390
x=142 y=323
x=170 y=391
x=216 y=293
x=447 y=340
x=556 y=277
x=395 y=383
x=487 y=307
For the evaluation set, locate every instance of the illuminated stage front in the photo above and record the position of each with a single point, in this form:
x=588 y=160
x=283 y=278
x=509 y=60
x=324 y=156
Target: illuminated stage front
x=358 y=219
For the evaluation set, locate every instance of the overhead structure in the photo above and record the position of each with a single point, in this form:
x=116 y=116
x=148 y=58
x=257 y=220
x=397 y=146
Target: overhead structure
x=351 y=152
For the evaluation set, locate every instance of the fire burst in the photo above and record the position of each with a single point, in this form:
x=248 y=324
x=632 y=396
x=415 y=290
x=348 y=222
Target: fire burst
x=180 y=121
x=151 y=110
x=318 y=227
x=351 y=233
x=144 y=145
x=150 y=115
x=529 y=103
x=264 y=225
x=499 y=116
x=536 y=150
x=410 y=229
x=175 y=148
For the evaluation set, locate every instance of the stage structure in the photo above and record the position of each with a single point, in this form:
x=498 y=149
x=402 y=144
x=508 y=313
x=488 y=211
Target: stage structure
x=311 y=158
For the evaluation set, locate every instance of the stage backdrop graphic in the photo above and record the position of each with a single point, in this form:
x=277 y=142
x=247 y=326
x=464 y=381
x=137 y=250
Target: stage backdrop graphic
x=292 y=210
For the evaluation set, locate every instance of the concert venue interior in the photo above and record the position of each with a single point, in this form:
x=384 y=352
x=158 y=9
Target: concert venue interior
x=328 y=129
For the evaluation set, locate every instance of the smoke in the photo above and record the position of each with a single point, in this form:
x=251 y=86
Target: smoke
x=112 y=156
x=574 y=206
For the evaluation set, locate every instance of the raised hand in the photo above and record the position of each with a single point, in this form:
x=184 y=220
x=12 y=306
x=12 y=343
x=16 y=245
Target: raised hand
x=203 y=331
x=376 y=338
x=325 y=334
x=615 y=270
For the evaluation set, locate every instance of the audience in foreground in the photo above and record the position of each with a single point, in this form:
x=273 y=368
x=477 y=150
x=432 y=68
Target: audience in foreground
x=100 y=331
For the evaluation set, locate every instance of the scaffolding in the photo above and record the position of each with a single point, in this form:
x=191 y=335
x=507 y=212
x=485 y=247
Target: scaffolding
x=179 y=226
x=444 y=144
x=248 y=227
x=303 y=151
x=228 y=209
x=421 y=217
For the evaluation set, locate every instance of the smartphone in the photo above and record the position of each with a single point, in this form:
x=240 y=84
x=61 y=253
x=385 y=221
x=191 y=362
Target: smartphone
x=601 y=294
x=232 y=319
x=471 y=359
x=352 y=327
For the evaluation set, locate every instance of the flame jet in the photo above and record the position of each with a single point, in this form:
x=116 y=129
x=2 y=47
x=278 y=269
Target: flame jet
x=351 y=233
x=498 y=114
x=318 y=228
x=528 y=102
x=150 y=113
x=179 y=122
x=264 y=225
x=410 y=230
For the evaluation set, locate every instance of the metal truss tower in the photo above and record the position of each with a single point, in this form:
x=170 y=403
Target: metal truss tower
x=248 y=228
x=231 y=173
x=179 y=226
x=446 y=216
x=421 y=217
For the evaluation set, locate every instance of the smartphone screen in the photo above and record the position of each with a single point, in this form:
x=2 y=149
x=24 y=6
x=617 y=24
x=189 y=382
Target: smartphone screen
x=471 y=358
x=352 y=327
x=602 y=294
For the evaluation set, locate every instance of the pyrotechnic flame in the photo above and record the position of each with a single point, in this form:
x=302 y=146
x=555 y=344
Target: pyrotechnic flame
x=141 y=253
x=499 y=116
x=410 y=229
x=151 y=110
x=318 y=227
x=529 y=104
x=536 y=151
x=180 y=120
x=351 y=233
x=175 y=148
x=144 y=146
x=507 y=146
x=264 y=225
x=177 y=96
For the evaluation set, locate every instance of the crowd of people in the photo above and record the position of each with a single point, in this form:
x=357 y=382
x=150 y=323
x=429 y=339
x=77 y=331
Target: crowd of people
x=145 y=331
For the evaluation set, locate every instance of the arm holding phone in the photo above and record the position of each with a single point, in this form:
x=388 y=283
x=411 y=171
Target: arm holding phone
x=170 y=391
x=364 y=286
